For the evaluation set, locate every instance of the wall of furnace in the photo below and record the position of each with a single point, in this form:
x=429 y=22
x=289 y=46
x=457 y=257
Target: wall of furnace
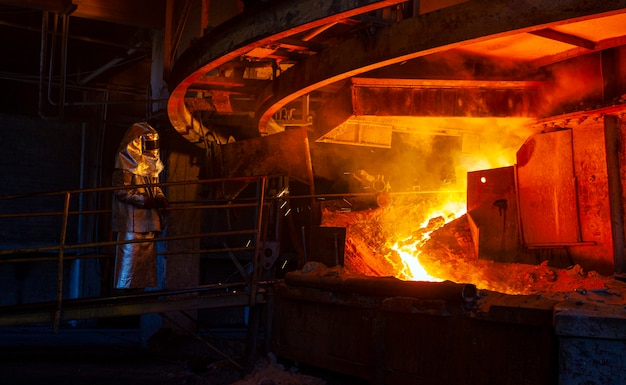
x=561 y=202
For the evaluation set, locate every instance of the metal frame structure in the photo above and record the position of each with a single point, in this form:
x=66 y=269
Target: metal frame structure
x=250 y=292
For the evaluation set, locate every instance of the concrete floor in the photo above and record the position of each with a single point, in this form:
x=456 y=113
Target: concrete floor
x=37 y=355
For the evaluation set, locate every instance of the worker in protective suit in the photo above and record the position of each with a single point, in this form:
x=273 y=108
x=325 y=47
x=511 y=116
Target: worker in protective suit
x=138 y=211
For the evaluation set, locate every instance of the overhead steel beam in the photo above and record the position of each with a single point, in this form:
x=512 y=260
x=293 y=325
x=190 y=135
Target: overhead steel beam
x=578 y=50
x=415 y=37
x=565 y=38
x=277 y=21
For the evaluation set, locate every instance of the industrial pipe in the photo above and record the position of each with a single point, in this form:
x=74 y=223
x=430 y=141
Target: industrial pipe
x=387 y=287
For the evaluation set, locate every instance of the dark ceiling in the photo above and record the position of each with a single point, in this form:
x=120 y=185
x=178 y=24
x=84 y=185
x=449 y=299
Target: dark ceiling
x=78 y=60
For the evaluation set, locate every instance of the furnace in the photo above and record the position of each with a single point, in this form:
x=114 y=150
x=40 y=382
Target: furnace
x=535 y=242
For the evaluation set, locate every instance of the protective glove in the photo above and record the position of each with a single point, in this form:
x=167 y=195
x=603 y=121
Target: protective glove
x=156 y=203
x=162 y=203
x=150 y=203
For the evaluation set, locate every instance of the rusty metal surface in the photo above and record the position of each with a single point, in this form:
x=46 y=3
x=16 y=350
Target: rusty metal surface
x=492 y=211
x=265 y=27
x=616 y=161
x=382 y=105
x=402 y=340
x=592 y=191
x=418 y=37
x=337 y=109
x=563 y=190
x=547 y=190
x=281 y=154
x=387 y=286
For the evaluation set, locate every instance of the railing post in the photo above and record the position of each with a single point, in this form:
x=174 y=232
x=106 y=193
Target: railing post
x=57 y=313
x=254 y=310
x=256 y=266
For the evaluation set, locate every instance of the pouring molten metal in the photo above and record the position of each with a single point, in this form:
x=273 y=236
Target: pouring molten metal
x=409 y=240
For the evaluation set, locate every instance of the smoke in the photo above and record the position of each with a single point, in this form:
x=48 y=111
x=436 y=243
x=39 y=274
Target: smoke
x=573 y=85
x=433 y=154
x=453 y=147
x=421 y=162
x=493 y=142
x=334 y=165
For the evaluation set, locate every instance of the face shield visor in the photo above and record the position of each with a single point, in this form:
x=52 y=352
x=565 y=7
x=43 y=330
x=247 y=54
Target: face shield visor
x=150 y=144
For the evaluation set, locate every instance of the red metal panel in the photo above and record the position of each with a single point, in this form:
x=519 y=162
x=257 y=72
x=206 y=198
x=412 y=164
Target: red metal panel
x=492 y=210
x=547 y=191
x=593 y=198
x=285 y=153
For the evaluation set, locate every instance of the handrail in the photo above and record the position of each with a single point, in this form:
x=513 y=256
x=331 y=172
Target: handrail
x=115 y=243
x=112 y=188
x=258 y=203
x=57 y=314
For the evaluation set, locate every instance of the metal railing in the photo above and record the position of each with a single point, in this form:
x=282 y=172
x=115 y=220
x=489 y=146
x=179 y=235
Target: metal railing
x=65 y=249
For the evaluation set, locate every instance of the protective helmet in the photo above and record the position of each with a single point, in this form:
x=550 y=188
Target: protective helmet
x=138 y=152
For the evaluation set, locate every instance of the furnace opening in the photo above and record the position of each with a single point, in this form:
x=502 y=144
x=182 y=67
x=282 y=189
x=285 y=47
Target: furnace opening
x=451 y=210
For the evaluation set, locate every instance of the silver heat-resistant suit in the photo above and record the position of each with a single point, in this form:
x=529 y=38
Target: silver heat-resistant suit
x=137 y=209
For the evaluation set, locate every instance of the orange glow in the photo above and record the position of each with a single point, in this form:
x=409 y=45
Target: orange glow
x=409 y=249
x=426 y=236
x=487 y=143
